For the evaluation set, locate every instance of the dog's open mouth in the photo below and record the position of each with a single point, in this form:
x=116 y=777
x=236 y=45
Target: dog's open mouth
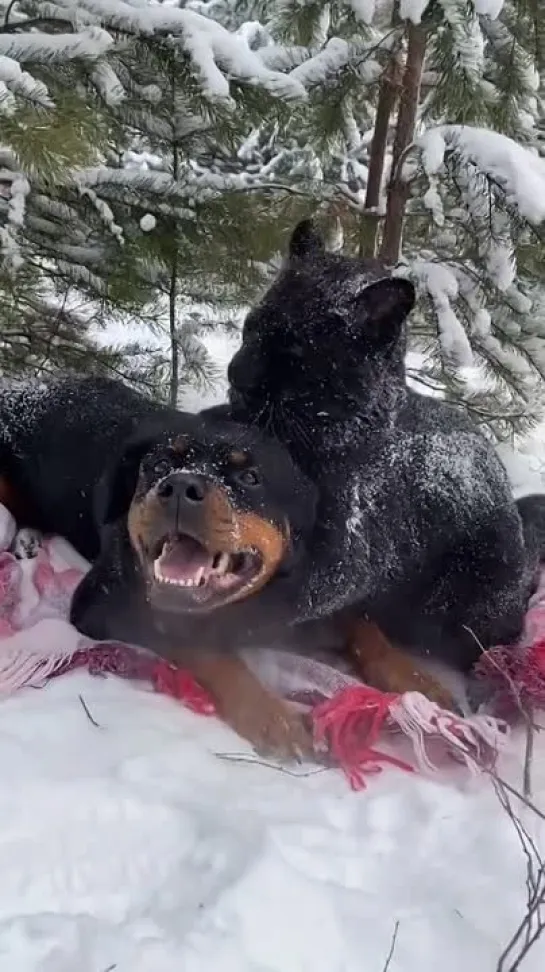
x=183 y=566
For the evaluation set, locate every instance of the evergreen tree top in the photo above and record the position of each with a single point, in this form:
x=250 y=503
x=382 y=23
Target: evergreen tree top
x=471 y=173
x=157 y=153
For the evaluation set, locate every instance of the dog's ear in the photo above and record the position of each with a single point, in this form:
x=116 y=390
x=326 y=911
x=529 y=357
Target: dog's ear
x=115 y=490
x=382 y=308
x=306 y=241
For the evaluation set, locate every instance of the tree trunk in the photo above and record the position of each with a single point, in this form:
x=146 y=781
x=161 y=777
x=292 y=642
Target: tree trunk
x=172 y=300
x=388 y=93
x=173 y=330
x=406 y=120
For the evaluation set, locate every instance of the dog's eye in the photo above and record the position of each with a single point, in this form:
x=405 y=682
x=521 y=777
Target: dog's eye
x=248 y=477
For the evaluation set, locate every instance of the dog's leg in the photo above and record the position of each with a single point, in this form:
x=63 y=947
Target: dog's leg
x=385 y=666
x=273 y=727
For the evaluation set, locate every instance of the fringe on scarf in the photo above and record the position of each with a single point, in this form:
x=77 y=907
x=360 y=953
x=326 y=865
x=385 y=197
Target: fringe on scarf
x=362 y=729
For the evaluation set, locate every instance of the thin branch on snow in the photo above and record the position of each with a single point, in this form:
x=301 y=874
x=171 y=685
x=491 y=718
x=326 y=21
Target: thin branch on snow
x=242 y=758
x=390 y=955
x=528 y=753
x=87 y=713
x=532 y=925
x=520 y=796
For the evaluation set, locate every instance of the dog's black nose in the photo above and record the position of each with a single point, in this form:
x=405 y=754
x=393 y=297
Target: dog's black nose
x=182 y=488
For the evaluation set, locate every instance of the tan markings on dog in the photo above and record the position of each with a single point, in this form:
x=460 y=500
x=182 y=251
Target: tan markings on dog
x=233 y=531
x=181 y=444
x=144 y=513
x=238 y=458
x=387 y=667
x=268 y=723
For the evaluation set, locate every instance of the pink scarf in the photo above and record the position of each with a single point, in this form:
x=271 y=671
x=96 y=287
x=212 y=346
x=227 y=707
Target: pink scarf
x=362 y=728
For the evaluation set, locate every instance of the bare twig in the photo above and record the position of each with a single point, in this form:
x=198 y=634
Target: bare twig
x=504 y=674
x=241 y=758
x=525 y=710
x=528 y=754
x=525 y=937
x=520 y=796
x=87 y=713
x=528 y=843
x=533 y=923
x=390 y=955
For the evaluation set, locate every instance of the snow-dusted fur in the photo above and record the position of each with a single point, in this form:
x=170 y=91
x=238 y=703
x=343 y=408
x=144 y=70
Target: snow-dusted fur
x=417 y=522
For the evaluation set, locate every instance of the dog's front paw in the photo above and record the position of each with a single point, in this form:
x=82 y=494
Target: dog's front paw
x=275 y=730
x=273 y=727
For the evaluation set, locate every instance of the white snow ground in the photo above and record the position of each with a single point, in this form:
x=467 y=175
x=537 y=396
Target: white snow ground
x=132 y=846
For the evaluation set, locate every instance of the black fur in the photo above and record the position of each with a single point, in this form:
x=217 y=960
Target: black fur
x=417 y=523
x=56 y=438
x=72 y=449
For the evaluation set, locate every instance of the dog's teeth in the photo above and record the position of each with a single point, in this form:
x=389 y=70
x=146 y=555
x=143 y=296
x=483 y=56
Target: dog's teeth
x=223 y=564
x=197 y=581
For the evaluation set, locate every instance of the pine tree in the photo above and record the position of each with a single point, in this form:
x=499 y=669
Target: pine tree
x=46 y=127
x=155 y=156
x=423 y=138
x=111 y=202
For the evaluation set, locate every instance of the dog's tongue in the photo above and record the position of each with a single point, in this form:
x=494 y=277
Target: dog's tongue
x=183 y=558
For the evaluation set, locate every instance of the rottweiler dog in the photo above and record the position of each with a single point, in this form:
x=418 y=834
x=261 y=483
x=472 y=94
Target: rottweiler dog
x=416 y=523
x=197 y=530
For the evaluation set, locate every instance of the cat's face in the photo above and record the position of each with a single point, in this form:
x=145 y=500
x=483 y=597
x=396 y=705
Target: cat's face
x=327 y=326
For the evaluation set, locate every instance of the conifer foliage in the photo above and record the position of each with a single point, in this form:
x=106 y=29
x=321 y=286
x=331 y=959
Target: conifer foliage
x=110 y=111
x=156 y=154
x=422 y=136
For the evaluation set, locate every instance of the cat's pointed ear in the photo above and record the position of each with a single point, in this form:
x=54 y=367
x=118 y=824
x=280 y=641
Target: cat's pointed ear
x=381 y=309
x=306 y=241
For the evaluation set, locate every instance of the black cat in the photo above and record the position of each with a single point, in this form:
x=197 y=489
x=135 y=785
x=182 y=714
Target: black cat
x=417 y=522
